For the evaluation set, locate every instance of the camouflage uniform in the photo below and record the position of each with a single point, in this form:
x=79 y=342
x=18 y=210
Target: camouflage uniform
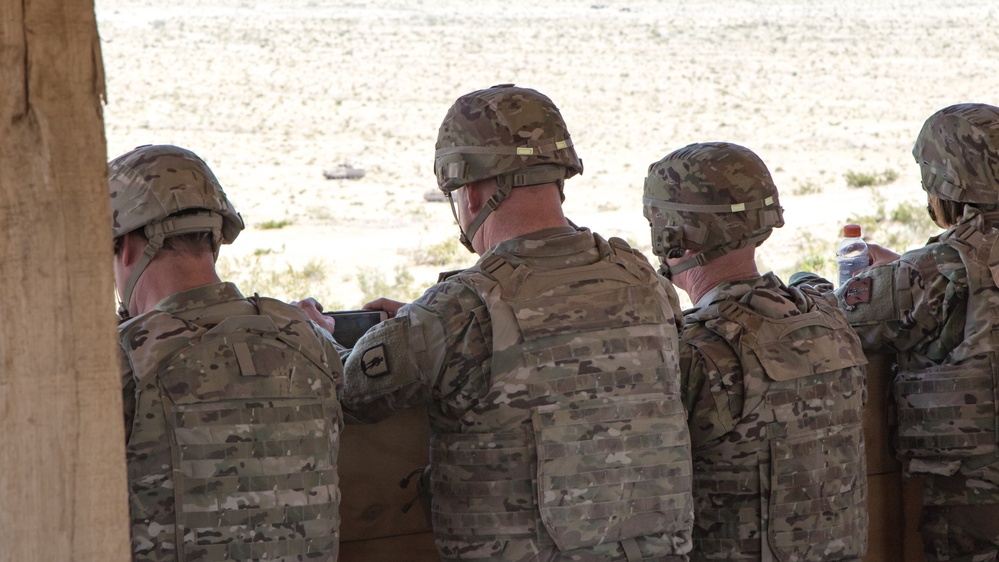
x=232 y=419
x=935 y=307
x=772 y=380
x=772 y=377
x=247 y=450
x=557 y=428
x=921 y=308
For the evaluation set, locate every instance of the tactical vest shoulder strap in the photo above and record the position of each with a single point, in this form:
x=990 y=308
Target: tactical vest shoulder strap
x=791 y=347
x=524 y=281
x=135 y=332
x=281 y=313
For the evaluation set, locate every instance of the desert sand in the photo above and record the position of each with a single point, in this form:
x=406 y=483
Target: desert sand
x=271 y=92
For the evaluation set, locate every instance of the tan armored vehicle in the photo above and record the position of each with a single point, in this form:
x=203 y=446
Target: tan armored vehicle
x=345 y=171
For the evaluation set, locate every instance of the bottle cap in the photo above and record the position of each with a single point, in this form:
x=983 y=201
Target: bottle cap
x=851 y=231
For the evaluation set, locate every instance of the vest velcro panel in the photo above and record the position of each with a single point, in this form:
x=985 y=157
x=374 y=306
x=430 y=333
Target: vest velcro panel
x=792 y=469
x=949 y=411
x=252 y=421
x=583 y=489
x=580 y=438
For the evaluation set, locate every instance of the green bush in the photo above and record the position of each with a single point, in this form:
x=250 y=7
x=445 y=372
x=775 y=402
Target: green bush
x=868 y=179
x=807 y=188
x=252 y=274
x=373 y=285
x=907 y=225
x=449 y=253
x=273 y=225
x=815 y=255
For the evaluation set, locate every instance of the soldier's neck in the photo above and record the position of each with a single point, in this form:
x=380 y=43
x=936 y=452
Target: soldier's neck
x=169 y=275
x=736 y=265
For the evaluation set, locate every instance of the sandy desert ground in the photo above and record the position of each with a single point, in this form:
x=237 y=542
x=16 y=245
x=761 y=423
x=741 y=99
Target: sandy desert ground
x=271 y=92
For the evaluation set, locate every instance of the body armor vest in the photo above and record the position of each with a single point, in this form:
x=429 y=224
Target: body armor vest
x=947 y=413
x=579 y=437
x=233 y=449
x=789 y=475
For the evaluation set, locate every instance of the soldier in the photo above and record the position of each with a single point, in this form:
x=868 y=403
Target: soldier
x=549 y=366
x=935 y=307
x=772 y=377
x=231 y=416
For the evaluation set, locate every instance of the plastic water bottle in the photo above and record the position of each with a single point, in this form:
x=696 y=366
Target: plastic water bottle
x=851 y=254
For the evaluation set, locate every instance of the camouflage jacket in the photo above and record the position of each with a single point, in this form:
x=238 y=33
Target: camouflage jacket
x=773 y=381
x=468 y=349
x=232 y=429
x=918 y=307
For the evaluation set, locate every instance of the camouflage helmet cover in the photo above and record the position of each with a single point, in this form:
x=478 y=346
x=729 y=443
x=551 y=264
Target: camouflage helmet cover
x=153 y=182
x=499 y=131
x=712 y=196
x=958 y=153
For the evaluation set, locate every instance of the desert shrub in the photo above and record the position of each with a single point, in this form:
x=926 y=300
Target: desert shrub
x=807 y=188
x=815 y=255
x=449 y=253
x=869 y=179
x=254 y=274
x=906 y=226
x=373 y=284
x=273 y=224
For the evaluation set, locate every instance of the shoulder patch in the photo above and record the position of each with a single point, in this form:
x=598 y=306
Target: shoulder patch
x=858 y=291
x=374 y=361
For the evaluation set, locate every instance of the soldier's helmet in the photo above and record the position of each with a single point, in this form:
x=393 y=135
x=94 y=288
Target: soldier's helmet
x=515 y=135
x=152 y=183
x=958 y=153
x=710 y=197
x=166 y=191
x=500 y=131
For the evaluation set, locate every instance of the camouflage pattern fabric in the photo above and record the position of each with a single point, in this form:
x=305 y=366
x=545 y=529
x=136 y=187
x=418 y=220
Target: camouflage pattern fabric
x=553 y=354
x=232 y=427
x=958 y=153
x=501 y=130
x=712 y=197
x=515 y=136
x=938 y=315
x=773 y=380
x=166 y=191
x=152 y=182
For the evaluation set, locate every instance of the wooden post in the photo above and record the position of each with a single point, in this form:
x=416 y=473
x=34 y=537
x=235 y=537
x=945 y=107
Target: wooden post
x=63 y=491
x=893 y=503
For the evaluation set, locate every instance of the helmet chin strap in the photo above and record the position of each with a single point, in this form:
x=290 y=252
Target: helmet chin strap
x=502 y=192
x=148 y=253
x=704 y=257
x=156 y=233
x=505 y=183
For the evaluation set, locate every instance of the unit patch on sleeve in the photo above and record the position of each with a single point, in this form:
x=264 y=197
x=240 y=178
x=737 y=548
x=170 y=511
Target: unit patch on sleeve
x=857 y=291
x=374 y=362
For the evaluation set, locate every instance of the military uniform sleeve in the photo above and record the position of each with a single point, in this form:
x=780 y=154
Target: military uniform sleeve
x=335 y=353
x=914 y=302
x=691 y=377
x=127 y=393
x=712 y=385
x=811 y=280
x=674 y=302
x=413 y=358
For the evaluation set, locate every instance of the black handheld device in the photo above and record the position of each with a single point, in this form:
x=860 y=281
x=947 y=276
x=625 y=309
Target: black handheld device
x=351 y=324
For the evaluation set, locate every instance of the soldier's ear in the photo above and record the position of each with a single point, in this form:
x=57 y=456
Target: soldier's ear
x=478 y=193
x=132 y=246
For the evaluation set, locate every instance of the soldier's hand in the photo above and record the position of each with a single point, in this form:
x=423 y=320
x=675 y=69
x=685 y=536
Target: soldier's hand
x=880 y=255
x=388 y=305
x=314 y=311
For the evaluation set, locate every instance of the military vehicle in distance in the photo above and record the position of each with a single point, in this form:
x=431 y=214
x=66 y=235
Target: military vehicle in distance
x=345 y=171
